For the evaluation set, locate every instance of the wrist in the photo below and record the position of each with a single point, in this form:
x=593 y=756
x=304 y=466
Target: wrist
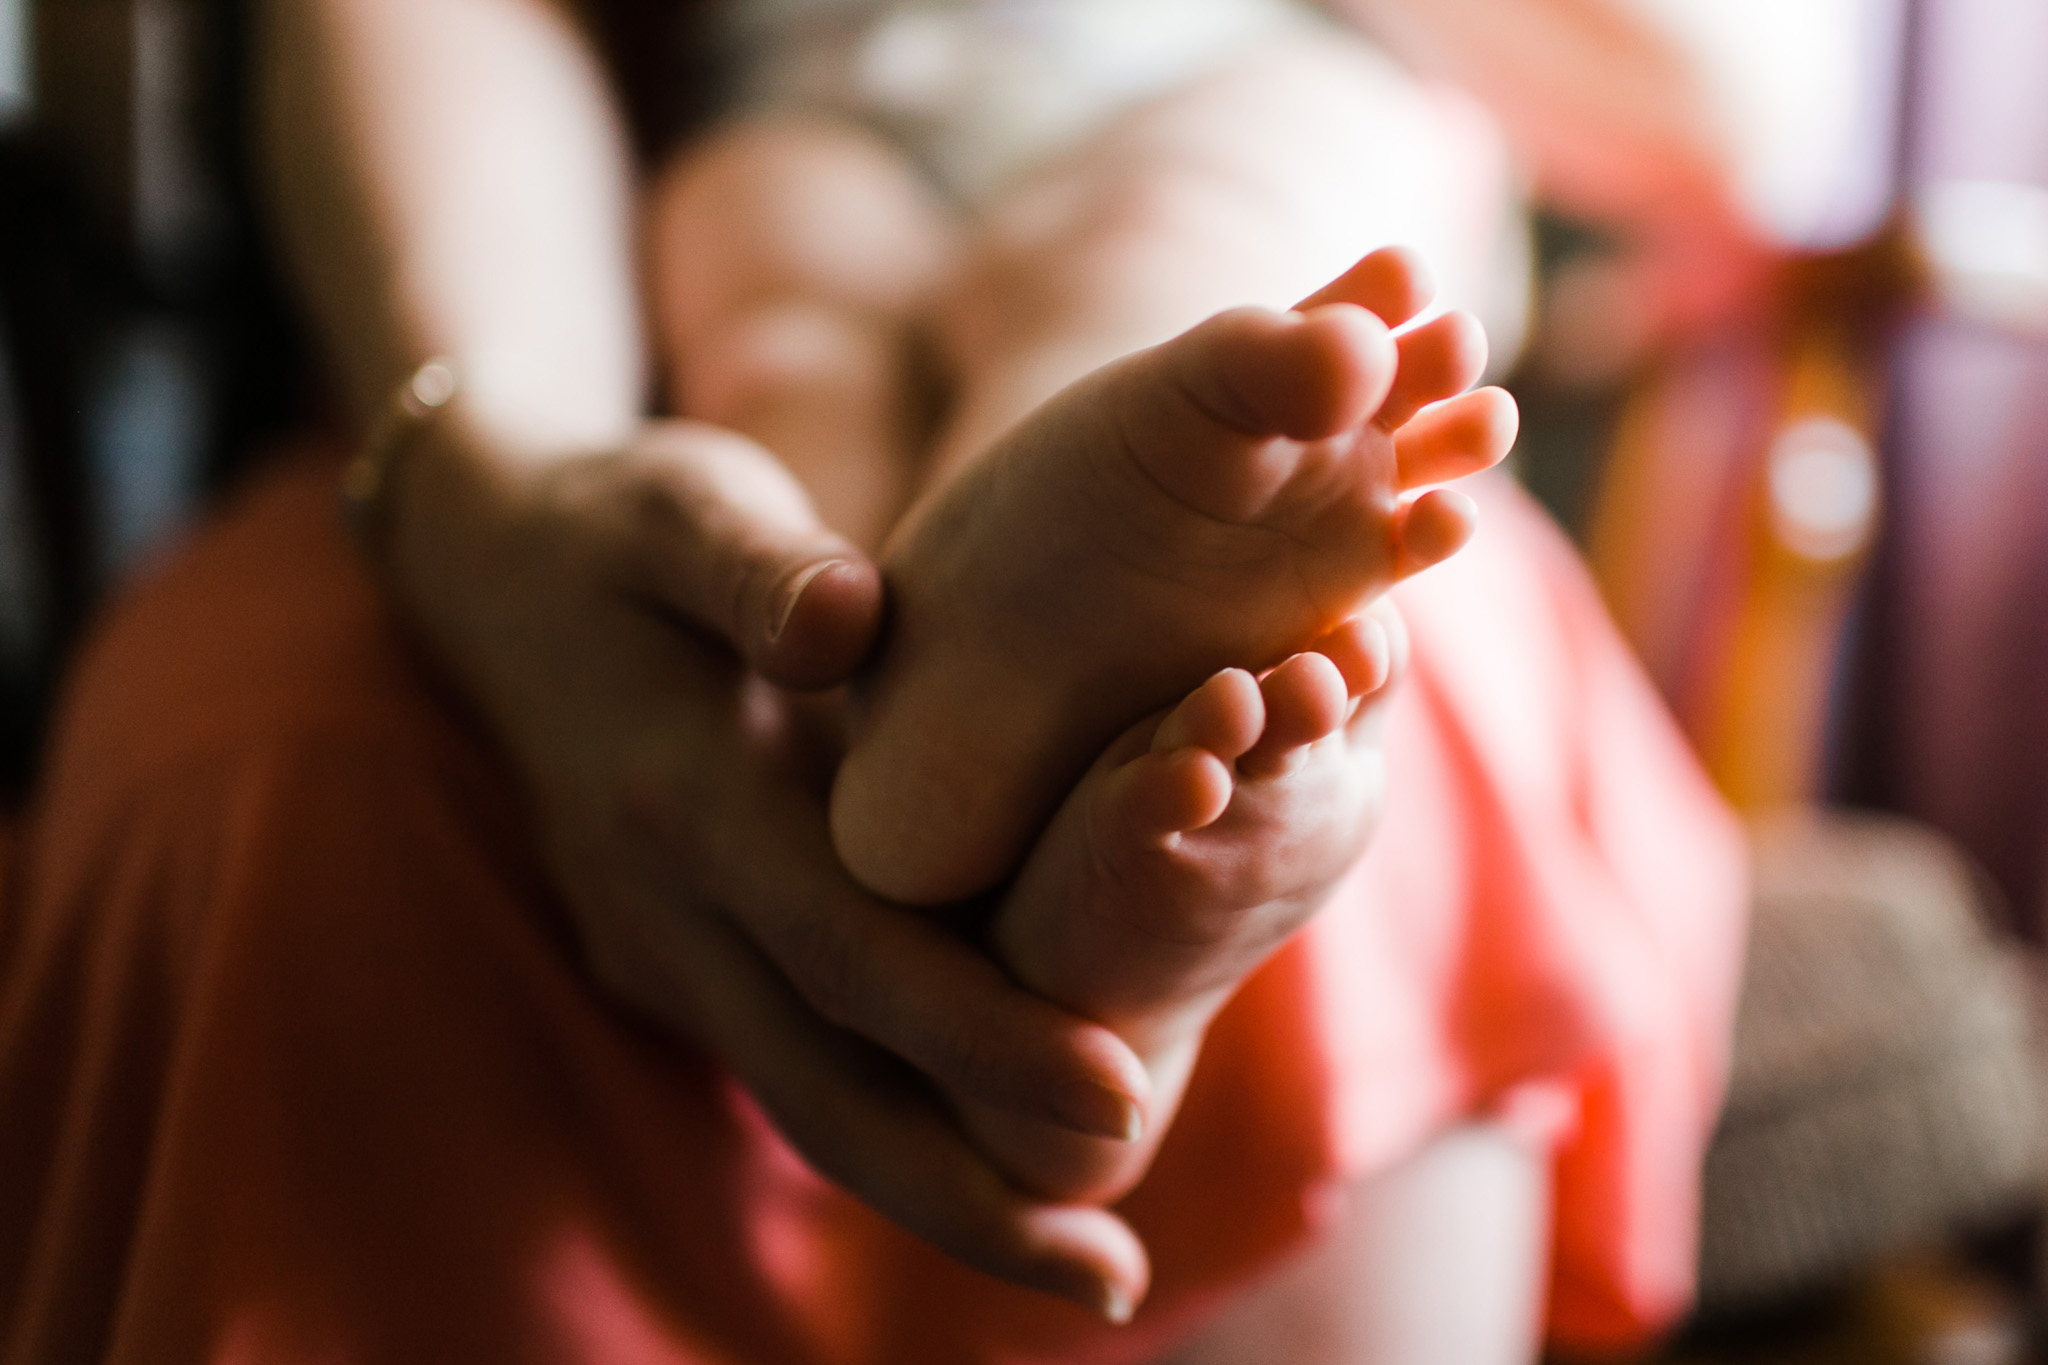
x=436 y=501
x=451 y=453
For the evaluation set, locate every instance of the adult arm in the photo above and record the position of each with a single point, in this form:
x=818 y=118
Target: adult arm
x=450 y=180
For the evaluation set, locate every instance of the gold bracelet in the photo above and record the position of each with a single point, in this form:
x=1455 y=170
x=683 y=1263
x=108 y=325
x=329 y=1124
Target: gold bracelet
x=366 y=478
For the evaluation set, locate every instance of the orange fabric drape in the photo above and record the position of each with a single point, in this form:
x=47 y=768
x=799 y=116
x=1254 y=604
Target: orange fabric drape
x=296 y=1063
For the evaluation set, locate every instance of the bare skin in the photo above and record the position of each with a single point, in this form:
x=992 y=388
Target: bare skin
x=1192 y=849
x=793 y=261
x=1221 y=500
x=1267 y=841
x=1164 y=877
x=1275 y=798
x=413 y=235
x=609 y=591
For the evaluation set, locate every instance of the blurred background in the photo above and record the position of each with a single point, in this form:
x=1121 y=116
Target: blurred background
x=143 y=353
x=1815 y=497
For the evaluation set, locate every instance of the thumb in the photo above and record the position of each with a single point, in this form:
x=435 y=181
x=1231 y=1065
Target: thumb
x=730 y=539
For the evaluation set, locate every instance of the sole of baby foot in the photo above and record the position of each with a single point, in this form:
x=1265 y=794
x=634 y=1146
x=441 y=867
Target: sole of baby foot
x=1172 y=872
x=1220 y=500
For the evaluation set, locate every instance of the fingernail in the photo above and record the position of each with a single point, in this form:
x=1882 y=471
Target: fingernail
x=793 y=594
x=1116 y=1304
x=1102 y=1112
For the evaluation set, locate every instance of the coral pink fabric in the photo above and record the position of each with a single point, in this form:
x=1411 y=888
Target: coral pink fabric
x=296 y=1063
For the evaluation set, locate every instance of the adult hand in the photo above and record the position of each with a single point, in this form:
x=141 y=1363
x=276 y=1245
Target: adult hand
x=617 y=616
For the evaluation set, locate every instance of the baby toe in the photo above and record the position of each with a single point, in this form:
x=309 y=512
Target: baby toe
x=1456 y=437
x=1224 y=716
x=1432 y=528
x=1304 y=376
x=1306 y=700
x=1441 y=358
x=1157 y=797
x=1362 y=652
x=1392 y=282
x=1202 y=411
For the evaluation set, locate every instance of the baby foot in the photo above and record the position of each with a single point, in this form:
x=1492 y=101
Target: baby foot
x=1217 y=501
x=1191 y=850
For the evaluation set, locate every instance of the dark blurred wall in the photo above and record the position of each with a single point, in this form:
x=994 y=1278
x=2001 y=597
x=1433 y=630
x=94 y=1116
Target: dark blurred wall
x=148 y=352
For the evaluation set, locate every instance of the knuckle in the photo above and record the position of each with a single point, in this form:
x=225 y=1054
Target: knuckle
x=962 y=1054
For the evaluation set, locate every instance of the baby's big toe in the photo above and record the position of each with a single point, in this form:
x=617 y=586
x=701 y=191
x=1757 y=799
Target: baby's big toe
x=1300 y=375
x=1205 y=408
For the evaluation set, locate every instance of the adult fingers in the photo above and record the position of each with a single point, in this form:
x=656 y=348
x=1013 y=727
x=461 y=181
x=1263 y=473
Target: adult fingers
x=930 y=998
x=867 y=1124
x=722 y=533
x=892 y=975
